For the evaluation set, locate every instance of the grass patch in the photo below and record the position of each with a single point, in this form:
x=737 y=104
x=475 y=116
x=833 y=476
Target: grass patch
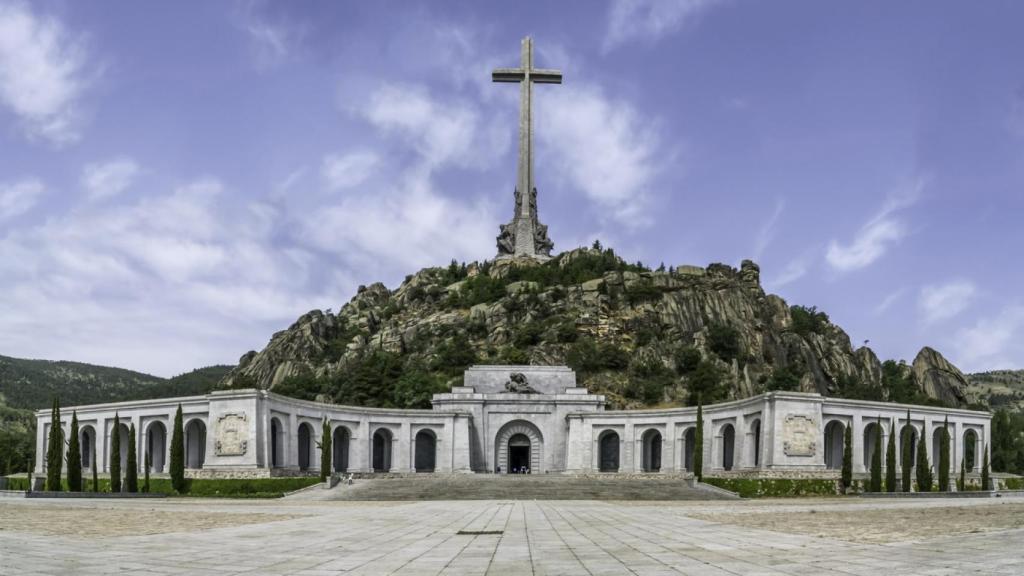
x=205 y=487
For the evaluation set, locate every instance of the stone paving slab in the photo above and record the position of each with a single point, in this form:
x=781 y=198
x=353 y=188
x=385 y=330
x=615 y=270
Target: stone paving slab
x=527 y=537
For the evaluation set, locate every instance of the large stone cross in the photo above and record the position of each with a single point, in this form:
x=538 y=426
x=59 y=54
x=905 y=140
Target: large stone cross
x=525 y=235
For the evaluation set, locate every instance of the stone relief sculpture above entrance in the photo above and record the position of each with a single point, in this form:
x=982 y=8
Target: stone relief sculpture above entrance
x=799 y=435
x=518 y=384
x=232 y=434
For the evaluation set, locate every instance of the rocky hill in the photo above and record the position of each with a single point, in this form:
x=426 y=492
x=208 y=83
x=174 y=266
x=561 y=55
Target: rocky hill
x=998 y=389
x=643 y=337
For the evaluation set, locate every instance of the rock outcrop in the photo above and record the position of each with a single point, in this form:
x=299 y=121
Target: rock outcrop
x=643 y=321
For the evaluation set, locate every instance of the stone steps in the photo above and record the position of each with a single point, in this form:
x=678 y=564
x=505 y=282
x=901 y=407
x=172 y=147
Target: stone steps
x=527 y=487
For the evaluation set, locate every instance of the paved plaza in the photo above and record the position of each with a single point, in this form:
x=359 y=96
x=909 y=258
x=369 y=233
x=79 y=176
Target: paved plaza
x=297 y=536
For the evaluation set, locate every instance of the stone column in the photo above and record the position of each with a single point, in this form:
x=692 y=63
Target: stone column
x=857 y=431
x=291 y=449
x=403 y=445
x=669 y=454
x=630 y=459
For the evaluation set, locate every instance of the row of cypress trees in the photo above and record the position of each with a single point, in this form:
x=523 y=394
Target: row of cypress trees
x=922 y=468
x=56 y=457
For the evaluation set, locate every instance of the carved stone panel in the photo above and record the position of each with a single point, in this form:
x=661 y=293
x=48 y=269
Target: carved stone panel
x=799 y=435
x=232 y=434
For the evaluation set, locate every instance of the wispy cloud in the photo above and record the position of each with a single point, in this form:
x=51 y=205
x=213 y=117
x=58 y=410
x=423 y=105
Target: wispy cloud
x=19 y=197
x=993 y=342
x=767 y=231
x=889 y=300
x=875 y=238
x=794 y=270
x=110 y=178
x=41 y=73
x=648 y=20
x=944 y=301
x=343 y=171
x=272 y=41
x=606 y=147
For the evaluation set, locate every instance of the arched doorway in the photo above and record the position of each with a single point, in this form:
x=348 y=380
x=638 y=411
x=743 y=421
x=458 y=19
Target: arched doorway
x=518 y=446
x=971 y=450
x=651 y=451
x=276 y=444
x=305 y=445
x=871 y=432
x=728 y=446
x=156 y=446
x=339 y=448
x=195 y=444
x=382 y=450
x=834 y=445
x=426 y=451
x=608 y=449
x=689 y=448
x=754 y=455
x=87 y=441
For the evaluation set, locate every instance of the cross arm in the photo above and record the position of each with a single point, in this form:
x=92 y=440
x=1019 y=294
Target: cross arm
x=545 y=76
x=508 y=75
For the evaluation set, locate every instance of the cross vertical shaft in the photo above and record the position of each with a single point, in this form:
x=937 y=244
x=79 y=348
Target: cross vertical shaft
x=525 y=236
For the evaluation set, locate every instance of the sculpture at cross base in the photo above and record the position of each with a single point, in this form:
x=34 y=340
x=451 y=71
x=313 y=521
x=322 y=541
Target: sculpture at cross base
x=525 y=236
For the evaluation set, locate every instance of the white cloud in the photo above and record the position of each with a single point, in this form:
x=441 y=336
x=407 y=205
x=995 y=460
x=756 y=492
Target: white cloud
x=875 y=238
x=162 y=283
x=795 y=270
x=767 y=231
x=110 y=178
x=341 y=172
x=19 y=197
x=605 y=147
x=41 y=73
x=272 y=41
x=889 y=300
x=995 y=342
x=942 y=302
x=648 y=20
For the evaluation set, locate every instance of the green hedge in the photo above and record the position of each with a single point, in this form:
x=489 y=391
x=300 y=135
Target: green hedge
x=1013 y=483
x=208 y=488
x=773 y=488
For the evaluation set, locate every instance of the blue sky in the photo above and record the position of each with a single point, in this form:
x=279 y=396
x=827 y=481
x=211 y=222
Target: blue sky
x=180 y=180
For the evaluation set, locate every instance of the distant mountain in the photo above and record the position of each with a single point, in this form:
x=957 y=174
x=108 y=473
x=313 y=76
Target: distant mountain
x=32 y=384
x=28 y=385
x=997 y=389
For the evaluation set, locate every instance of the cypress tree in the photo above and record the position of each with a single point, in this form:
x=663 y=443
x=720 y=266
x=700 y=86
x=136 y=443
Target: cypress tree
x=325 y=450
x=74 y=457
x=890 y=459
x=131 y=475
x=55 y=450
x=906 y=447
x=178 y=454
x=115 y=456
x=698 y=444
x=876 y=459
x=962 y=485
x=848 y=458
x=149 y=464
x=924 y=468
x=95 y=466
x=944 y=457
x=986 y=480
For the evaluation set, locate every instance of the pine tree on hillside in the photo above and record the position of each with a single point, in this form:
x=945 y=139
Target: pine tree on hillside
x=698 y=444
x=131 y=475
x=115 y=455
x=890 y=459
x=986 y=479
x=876 y=459
x=847 y=474
x=906 y=447
x=55 y=450
x=74 y=457
x=923 y=467
x=944 y=457
x=325 y=450
x=149 y=464
x=178 y=454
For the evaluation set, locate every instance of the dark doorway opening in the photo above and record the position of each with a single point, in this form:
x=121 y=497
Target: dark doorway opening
x=610 y=452
x=519 y=454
